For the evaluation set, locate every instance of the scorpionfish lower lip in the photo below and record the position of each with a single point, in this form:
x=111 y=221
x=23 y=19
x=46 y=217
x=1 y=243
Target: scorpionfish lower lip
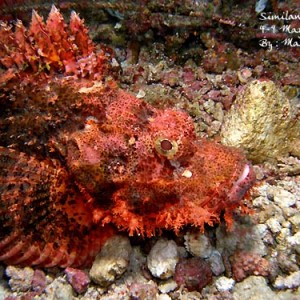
x=246 y=179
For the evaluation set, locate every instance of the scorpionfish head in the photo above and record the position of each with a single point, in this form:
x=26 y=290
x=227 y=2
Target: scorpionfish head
x=145 y=170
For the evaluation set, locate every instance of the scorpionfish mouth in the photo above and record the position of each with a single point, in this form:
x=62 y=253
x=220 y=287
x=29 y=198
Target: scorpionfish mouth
x=246 y=179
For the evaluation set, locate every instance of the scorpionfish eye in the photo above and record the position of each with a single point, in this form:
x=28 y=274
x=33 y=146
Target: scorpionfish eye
x=166 y=147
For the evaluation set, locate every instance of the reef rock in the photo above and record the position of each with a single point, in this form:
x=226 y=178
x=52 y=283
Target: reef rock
x=263 y=122
x=253 y=287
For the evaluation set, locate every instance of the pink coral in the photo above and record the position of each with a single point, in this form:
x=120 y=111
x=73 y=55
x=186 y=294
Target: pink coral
x=246 y=263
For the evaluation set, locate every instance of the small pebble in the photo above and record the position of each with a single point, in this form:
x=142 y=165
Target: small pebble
x=294 y=241
x=78 y=279
x=198 y=244
x=20 y=279
x=216 y=263
x=59 y=289
x=262 y=229
x=141 y=94
x=284 y=198
x=63 y=292
x=163 y=258
x=167 y=286
x=295 y=220
x=112 y=261
x=143 y=291
x=39 y=281
x=224 y=284
x=244 y=75
x=163 y=297
x=274 y=225
x=290 y=282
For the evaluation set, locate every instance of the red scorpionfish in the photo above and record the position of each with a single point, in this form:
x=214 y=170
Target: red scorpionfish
x=81 y=158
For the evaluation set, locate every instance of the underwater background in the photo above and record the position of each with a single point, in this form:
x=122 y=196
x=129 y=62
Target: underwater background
x=149 y=149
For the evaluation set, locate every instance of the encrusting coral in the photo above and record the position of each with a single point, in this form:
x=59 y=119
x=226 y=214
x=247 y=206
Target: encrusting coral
x=245 y=264
x=80 y=158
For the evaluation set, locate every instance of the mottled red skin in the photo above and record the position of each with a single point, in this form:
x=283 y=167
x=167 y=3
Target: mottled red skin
x=80 y=158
